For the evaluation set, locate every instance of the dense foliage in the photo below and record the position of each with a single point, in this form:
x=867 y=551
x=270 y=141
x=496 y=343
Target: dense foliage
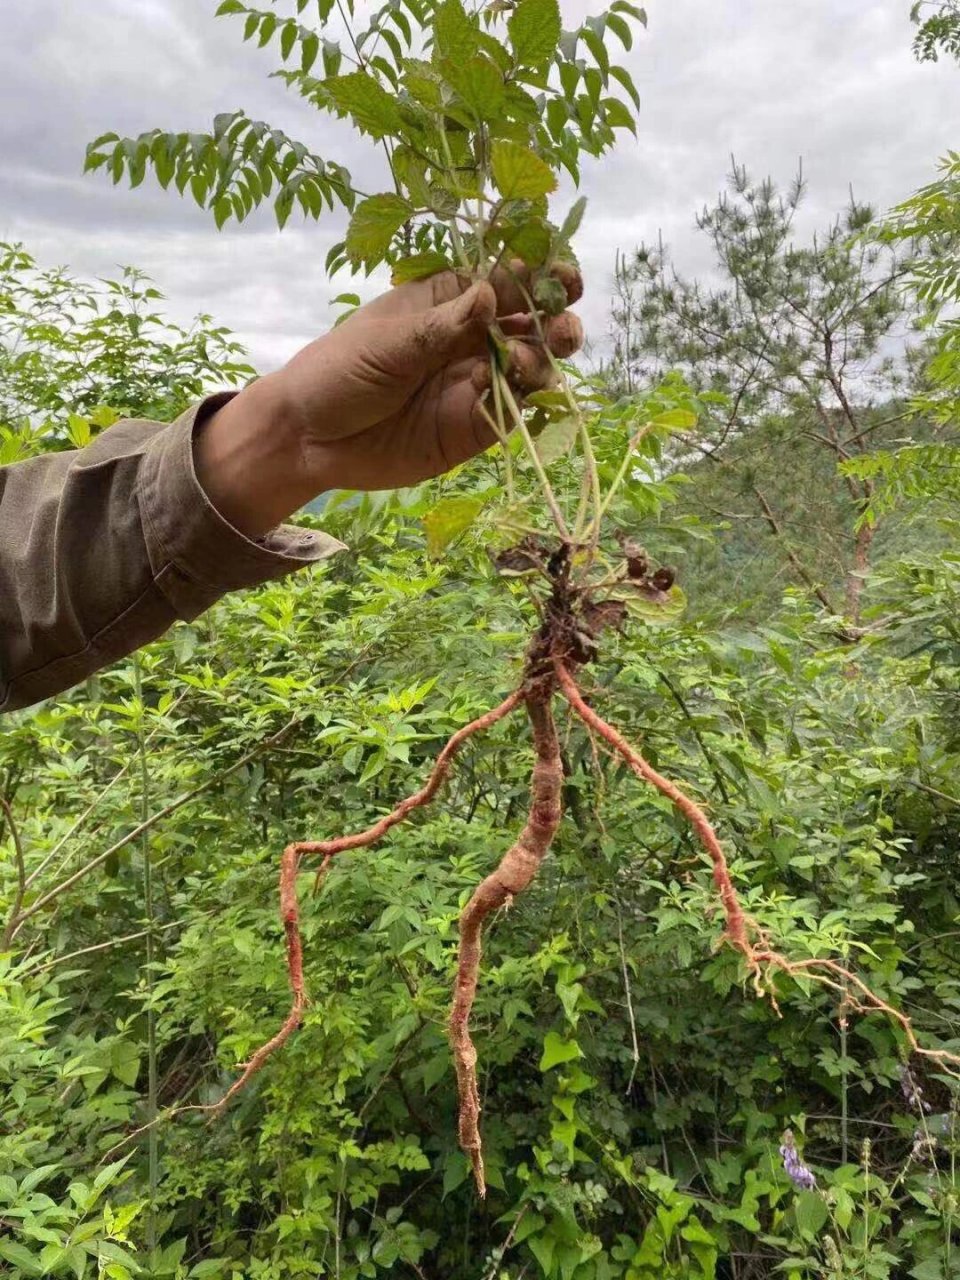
x=637 y=1092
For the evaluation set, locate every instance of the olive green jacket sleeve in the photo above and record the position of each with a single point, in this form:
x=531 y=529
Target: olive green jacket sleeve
x=103 y=548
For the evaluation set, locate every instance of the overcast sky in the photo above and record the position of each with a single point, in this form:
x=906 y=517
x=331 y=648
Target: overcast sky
x=832 y=81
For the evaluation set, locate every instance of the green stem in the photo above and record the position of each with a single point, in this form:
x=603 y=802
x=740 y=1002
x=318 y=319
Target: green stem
x=592 y=475
x=452 y=223
x=844 y=1088
x=624 y=467
x=549 y=495
x=500 y=426
x=153 y=1139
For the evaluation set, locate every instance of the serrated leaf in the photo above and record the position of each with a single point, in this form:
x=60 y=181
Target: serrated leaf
x=419 y=266
x=448 y=520
x=534 y=28
x=571 y=223
x=556 y=439
x=478 y=83
x=519 y=173
x=811 y=1213
x=556 y=1051
x=532 y=241
x=375 y=222
x=455 y=36
x=368 y=104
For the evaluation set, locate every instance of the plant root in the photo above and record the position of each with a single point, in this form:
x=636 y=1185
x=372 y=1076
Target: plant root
x=739 y=930
x=517 y=868
x=326 y=849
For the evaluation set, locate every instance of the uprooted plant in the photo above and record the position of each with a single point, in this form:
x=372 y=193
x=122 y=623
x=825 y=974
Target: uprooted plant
x=475 y=124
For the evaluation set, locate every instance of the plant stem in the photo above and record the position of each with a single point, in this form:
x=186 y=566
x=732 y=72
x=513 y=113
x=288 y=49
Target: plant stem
x=153 y=1139
x=549 y=495
x=21 y=889
x=624 y=467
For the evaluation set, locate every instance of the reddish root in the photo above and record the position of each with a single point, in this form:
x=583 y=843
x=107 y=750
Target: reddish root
x=289 y=901
x=857 y=995
x=517 y=868
x=736 y=930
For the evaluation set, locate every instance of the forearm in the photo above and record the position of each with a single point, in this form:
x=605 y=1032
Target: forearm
x=249 y=459
x=104 y=548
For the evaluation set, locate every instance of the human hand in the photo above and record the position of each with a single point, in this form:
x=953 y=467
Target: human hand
x=389 y=398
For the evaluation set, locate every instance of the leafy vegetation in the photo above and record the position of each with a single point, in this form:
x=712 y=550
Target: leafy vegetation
x=645 y=1114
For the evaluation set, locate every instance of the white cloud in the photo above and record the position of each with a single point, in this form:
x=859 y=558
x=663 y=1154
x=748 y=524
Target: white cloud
x=831 y=80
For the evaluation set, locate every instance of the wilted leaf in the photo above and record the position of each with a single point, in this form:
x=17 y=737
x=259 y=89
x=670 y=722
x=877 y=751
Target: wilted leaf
x=527 y=557
x=645 y=601
x=519 y=173
x=375 y=222
x=600 y=614
x=448 y=520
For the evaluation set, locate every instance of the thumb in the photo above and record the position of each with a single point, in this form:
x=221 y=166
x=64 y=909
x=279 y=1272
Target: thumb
x=455 y=330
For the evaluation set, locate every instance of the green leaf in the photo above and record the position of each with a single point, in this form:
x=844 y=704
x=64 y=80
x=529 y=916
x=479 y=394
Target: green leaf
x=618 y=115
x=556 y=439
x=623 y=77
x=375 y=222
x=448 y=520
x=556 y=1050
x=571 y=223
x=929 y=1269
x=519 y=173
x=368 y=104
x=478 y=83
x=20 y=1256
x=811 y=1213
x=419 y=266
x=78 y=429
x=676 y=419
x=455 y=36
x=308 y=52
x=550 y=295
x=534 y=29
x=532 y=241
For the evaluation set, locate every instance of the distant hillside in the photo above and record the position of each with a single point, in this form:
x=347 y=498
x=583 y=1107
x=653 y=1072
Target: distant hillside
x=747 y=566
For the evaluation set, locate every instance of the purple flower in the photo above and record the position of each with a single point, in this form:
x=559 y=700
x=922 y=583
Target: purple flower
x=924 y=1148
x=796 y=1170
x=911 y=1090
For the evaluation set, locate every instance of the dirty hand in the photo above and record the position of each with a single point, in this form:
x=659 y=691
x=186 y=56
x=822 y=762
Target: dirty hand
x=389 y=398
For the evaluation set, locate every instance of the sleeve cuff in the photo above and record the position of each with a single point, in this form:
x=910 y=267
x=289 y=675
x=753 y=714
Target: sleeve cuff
x=195 y=554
